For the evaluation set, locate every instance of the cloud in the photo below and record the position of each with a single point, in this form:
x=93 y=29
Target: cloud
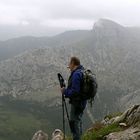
x=68 y=23
x=17 y=11
x=64 y=9
x=67 y=14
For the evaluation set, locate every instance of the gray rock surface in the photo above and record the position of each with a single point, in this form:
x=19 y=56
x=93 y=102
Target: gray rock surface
x=128 y=134
x=132 y=118
x=57 y=135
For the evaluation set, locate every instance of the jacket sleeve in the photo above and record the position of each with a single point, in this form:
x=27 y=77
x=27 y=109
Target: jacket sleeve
x=75 y=88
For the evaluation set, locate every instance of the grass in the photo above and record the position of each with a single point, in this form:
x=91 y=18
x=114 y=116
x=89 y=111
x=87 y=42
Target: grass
x=100 y=133
x=15 y=125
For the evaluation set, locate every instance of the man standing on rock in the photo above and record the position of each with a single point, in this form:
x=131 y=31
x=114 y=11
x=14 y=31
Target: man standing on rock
x=72 y=92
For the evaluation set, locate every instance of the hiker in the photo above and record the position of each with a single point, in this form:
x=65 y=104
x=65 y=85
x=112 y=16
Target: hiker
x=73 y=93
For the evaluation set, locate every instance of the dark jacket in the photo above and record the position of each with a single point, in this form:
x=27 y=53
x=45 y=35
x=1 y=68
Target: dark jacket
x=74 y=86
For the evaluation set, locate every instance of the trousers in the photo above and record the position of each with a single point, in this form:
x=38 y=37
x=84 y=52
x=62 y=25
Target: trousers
x=76 y=114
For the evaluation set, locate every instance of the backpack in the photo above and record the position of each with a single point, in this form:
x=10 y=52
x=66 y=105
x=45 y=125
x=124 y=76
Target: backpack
x=89 y=85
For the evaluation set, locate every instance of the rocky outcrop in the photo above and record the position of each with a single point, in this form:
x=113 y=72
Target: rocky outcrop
x=128 y=134
x=56 y=135
x=40 y=135
x=131 y=118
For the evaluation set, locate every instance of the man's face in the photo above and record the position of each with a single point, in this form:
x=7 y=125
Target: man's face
x=71 y=66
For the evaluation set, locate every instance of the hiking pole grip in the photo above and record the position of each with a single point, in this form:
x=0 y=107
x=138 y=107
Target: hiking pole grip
x=61 y=80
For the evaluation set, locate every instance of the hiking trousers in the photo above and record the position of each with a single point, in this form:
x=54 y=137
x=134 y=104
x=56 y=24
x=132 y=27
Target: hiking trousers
x=76 y=114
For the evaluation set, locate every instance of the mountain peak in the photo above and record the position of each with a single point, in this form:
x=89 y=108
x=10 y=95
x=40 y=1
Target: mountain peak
x=102 y=23
x=108 y=28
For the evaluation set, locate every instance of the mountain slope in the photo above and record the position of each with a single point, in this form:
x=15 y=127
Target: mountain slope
x=109 y=49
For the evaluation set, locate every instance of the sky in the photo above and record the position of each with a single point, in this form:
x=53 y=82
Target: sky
x=50 y=17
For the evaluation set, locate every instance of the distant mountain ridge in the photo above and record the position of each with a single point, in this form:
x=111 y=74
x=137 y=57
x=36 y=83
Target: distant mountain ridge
x=13 y=47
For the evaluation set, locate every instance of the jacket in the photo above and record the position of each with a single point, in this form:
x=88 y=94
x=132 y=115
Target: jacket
x=74 y=85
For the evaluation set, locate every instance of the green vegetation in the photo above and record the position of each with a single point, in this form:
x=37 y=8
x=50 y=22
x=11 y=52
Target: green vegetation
x=100 y=131
x=19 y=119
x=17 y=126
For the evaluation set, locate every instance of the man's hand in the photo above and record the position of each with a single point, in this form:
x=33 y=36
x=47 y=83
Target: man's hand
x=62 y=90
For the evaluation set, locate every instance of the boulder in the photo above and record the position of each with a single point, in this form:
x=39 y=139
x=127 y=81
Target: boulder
x=57 y=135
x=40 y=135
x=130 y=116
x=128 y=134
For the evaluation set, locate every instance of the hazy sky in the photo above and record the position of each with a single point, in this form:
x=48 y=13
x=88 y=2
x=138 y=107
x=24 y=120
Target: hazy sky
x=48 y=17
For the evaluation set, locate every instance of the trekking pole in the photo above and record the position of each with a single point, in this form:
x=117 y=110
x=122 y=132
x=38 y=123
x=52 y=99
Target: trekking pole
x=67 y=111
x=62 y=84
x=64 y=105
x=64 y=130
